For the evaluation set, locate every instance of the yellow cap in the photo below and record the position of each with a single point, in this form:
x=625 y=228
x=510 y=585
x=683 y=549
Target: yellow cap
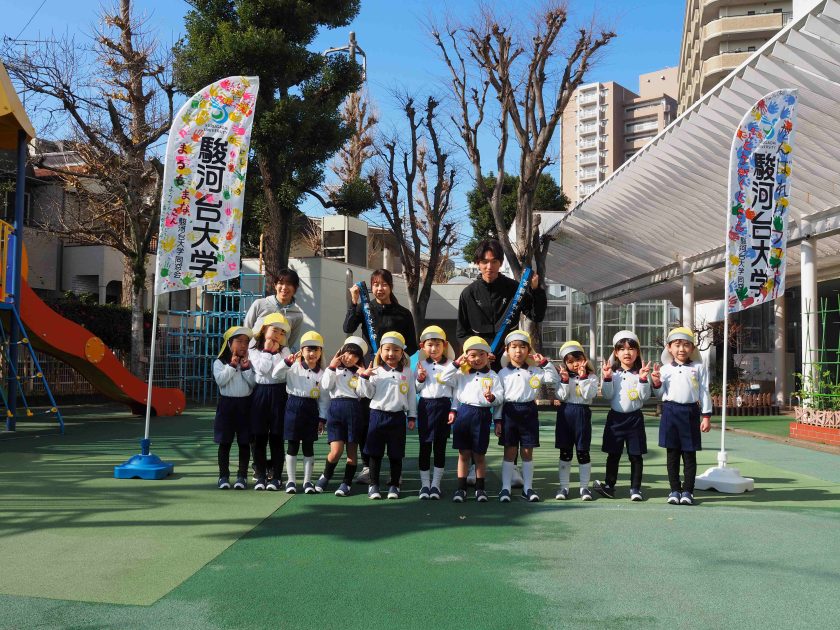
x=516 y=335
x=230 y=333
x=312 y=339
x=432 y=332
x=680 y=333
x=569 y=347
x=476 y=343
x=277 y=321
x=392 y=337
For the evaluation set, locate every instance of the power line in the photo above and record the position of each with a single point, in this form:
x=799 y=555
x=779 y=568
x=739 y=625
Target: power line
x=30 y=19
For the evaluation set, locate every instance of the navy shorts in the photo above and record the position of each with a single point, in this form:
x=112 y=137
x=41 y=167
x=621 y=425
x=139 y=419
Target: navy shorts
x=679 y=426
x=625 y=428
x=574 y=427
x=471 y=430
x=520 y=425
x=268 y=407
x=344 y=420
x=233 y=418
x=433 y=419
x=386 y=430
x=301 y=421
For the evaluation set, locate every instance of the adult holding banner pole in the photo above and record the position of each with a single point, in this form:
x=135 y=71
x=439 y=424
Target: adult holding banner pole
x=756 y=236
x=202 y=193
x=382 y=313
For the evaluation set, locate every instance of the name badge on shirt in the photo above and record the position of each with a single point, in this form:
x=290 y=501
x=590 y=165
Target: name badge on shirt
x=633 y=394
x=353 y=382
x=438 y=378
x=486 y=384
x=403 y=387
x=577 y=391
x=534 y=382
x=315 y=392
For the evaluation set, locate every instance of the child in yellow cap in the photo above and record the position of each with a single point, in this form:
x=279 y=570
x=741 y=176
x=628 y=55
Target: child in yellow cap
x=235 y=378
x=268 y=404
x=306 y=408
x=434 y=408
x=683 y=386
x=480 y=395
x=573 y=431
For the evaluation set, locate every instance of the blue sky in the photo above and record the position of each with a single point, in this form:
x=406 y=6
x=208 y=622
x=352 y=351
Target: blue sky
x=400 y=53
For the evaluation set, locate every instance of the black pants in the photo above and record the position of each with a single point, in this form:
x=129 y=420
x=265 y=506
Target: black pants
x=308 y=448
x=439 y=448
x=396 y=470
x=636 y=467
x=278 y=455
x=689 y=469
x=224 y=459
x=364 y=423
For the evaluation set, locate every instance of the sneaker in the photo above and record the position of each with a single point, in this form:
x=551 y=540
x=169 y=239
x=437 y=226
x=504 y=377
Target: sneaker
x=363 y=478
x=424 y=493
x=585 y=494
x=674 y=498
x=434 y=493
x=259 y=484
x=687 y=498
x=516 y=480
x=273 y=485
x=604 y=490
x=636 y=494
x=562 y=494
x=471 y=476
x=309 y=488
x=481 y=496
x=343 y=490
x=224 y=483
x=504 y=496
x=291 y=487
x=321 y=484
x=393 y=492
x=530 y=495
x=240 y=483
x=460 y=496
x=373 y=493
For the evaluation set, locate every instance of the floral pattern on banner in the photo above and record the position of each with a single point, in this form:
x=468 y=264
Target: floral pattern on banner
x=759 y=193
x=204 y=186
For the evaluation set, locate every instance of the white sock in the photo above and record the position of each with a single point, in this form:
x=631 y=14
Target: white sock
x=437 y=477
x=528 y=474
x=564 y=473
x=507 y=474
x=585 y=472
x=308 y=466
x=424 y=478
x=291 y=468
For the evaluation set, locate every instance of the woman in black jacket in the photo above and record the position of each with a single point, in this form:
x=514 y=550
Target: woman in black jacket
x=386 y=315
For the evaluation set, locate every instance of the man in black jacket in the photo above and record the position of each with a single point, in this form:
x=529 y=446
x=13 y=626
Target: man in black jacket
x=482 y=305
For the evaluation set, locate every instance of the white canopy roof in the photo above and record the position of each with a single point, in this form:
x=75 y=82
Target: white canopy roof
x=663 y=212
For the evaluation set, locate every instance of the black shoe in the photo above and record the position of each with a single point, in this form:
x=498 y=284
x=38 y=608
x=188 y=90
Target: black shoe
x=604 y=490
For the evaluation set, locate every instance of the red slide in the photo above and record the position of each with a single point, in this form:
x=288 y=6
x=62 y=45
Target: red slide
x=65 y=340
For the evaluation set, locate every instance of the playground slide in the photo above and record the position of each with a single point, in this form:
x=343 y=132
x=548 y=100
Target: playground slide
x=51 y=333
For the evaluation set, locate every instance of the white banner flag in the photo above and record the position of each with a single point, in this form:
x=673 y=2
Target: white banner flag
x=204 y=186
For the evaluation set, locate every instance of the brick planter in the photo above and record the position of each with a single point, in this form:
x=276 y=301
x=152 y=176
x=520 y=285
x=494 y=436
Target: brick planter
x=814 y=433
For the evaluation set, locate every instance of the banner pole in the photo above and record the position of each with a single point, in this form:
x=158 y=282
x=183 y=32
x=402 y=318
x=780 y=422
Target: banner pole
x=151 y=368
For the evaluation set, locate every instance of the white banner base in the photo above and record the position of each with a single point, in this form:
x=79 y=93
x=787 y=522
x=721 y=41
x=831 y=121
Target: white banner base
x=724 y=479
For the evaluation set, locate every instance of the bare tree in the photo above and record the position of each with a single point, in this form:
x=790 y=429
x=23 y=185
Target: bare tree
x=532 y=80
x=416 y=202
x=115 y=104
x=359 y=148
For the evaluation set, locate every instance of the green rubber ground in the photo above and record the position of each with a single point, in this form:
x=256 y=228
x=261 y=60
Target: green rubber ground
x=79 y=549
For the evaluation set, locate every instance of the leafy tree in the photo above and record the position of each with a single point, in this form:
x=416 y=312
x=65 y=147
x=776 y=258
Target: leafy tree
x=298 y=124
x=548 y=197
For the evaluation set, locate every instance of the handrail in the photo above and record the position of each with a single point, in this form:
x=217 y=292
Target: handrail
x=6 y=230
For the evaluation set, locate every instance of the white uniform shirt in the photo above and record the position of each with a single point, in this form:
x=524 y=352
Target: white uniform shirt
x=304 y=383
x=391 y=390
x=686 y=383
x=433 y=386
x=522 y=385
x=265 y=363
x=233 y=381
x=268 y=305
x=342 y=382
x=469 y=387
x=625 y=391
x=578 y=390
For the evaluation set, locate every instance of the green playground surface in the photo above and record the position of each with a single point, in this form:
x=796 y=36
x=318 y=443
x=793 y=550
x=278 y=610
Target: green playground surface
x=81 y=549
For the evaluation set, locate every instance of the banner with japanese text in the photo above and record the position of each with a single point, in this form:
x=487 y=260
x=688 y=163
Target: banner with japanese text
x=759 y=193
x=204 y=186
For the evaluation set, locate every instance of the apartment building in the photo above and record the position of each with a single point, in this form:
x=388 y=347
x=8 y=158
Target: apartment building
x=606 y=123
x=719 y=35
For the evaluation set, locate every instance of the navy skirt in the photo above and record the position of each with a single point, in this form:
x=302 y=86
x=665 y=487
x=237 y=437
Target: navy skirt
x=679 y=426
x=301 y=420
x=574 y=427
x=386 y=430
x=232 y=419
x=520 y=425
x=268 y=407
x=344 y=420
x=625 y=428
x=471 y=430
x=433 y=419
